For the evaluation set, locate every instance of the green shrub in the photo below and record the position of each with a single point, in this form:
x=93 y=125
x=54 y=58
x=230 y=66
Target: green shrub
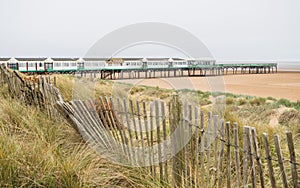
x=271 y=98
x=231 y=95
x=296 y=105
x=284 y=102
x=249 y=97
x=206 y=95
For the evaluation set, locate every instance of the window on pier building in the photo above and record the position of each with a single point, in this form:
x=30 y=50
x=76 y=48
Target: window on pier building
x=31 y=64
x=22 y=64
x=57 y=64
x=13 y=66
x=80 y=65
x=65 y=64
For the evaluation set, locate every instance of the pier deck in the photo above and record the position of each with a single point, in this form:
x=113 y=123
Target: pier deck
x=114 y=73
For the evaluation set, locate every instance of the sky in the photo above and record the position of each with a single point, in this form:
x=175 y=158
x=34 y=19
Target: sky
x=232 y=29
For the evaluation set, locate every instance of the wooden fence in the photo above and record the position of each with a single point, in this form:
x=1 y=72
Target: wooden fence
x=180 y=144
x=35 y=90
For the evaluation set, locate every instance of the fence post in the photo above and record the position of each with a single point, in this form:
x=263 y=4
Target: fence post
x=221 y=155
x=249 y=149
x=165 y=149
x=258 y=159
x=269 y=160
x=216 y=123
x=186 y=174
x=236 y=154
x=202 y=147
x=122 y=130
x=158 y=140
x=143 y=155
x=245 y=158
x=280 y=160
x=152 y=139
x=54 y=81
x=292 y=158
x=147 y=136
x=177 y=141
x=208 y=142
x=132 y=150
x=1 y=76
x=196 y=147
x=190 y=145
x=228 y=156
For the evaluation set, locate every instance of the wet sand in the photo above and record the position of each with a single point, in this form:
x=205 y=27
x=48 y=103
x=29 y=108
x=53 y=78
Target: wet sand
x=278 y=85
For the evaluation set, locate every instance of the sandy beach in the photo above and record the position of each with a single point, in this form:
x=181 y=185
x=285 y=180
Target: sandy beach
x=278 y=85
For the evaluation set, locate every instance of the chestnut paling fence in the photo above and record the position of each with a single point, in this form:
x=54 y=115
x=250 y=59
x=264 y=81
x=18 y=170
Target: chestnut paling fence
x=180 y=144
x=39 y=91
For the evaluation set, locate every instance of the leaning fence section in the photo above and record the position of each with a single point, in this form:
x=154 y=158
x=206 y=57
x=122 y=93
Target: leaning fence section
x=38 y=91
x=184 y=146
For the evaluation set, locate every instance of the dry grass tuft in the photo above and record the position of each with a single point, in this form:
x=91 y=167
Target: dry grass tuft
x=38 y=152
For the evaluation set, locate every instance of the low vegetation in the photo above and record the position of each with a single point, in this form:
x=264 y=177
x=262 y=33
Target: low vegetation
x=39 y=152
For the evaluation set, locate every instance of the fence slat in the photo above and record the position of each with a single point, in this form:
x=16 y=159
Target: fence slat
x=110 y=111
x=133 y=119
x=152 y=138
x=143 y=155
x=165 y=149
x=245 y=158
x=186 y=147
x=228 y=154
x=221 y=155
x=215 y=118
x=176 y=140
x=208 y=145
x=196 y=111
x=280 y=160
x=120 y=125
x=258 y=158
x=147 y=136
x=136 y=146
x=250 y=153
x=202 y=148
x=237 y=154
x=269 y=160
x=161 y=175
x=132 y=150
x=292 y=159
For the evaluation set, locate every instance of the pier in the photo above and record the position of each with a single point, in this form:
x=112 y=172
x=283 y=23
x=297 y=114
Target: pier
x=111 y=73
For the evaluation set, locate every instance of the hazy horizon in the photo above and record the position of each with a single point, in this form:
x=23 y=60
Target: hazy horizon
x=232 y=30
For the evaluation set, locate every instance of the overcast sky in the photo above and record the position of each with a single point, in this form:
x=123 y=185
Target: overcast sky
x=231 y=29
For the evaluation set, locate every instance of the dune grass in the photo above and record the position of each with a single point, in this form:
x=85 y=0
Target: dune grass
x=38 y=152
